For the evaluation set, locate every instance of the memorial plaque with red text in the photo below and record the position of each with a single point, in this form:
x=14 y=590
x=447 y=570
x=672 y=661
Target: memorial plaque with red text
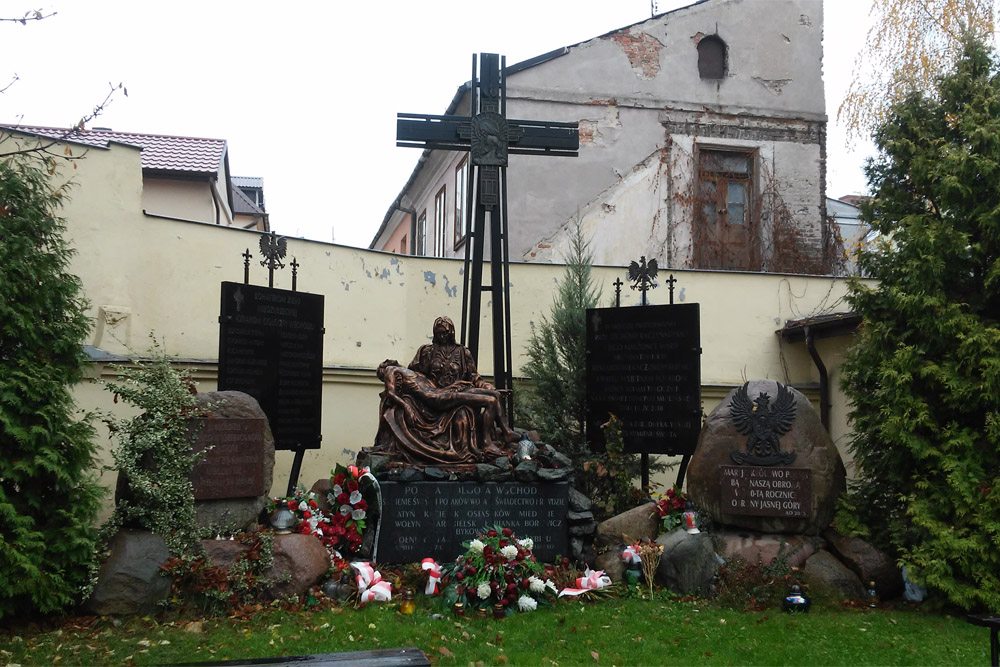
x=233 y=465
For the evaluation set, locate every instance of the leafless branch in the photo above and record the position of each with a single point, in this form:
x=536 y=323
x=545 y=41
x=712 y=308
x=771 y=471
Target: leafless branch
x=44 y=145
x=12 y=82
x=33 y=15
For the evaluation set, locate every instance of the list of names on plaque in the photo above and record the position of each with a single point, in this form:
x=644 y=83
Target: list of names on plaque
x=271 y=347
x=432 y=519
x=644 y=366
x=233 y=463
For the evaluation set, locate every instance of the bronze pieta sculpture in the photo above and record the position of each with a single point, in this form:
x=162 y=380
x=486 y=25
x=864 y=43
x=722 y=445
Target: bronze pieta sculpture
x=439 y=410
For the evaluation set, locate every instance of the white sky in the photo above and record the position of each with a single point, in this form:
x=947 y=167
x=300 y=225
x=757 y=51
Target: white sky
x=306 y=93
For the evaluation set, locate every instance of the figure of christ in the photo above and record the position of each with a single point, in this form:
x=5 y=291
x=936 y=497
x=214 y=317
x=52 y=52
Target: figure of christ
x=423 y=423
x=444 y=361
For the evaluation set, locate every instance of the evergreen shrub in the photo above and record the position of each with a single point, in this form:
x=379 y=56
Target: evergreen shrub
x=924 y=374
x=49 y=495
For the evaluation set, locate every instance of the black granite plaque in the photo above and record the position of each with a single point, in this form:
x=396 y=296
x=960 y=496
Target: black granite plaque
x=766 y=491
x=233 y=465
x=432 y=519
x=271 y=347
x=644 y=366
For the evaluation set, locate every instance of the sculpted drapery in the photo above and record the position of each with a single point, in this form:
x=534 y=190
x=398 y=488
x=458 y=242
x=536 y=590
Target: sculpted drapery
x=439 y=410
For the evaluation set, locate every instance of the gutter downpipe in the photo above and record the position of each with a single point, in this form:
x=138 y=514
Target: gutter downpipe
x=398 y=205
x=824 y=380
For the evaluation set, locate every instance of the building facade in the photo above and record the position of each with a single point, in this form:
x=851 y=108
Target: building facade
x=702 y=144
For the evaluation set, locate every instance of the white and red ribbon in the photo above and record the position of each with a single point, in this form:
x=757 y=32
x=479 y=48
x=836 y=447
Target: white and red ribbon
x=370 y=584
x=591 y=581
x=631 y=555
x=433 y=575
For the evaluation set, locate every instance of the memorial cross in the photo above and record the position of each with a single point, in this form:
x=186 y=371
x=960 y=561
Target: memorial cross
x=246 y=266
x=489 y=136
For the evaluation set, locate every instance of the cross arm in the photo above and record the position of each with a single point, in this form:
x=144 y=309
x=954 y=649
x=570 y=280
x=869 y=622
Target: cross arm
x=425 y=131
x=549 y=138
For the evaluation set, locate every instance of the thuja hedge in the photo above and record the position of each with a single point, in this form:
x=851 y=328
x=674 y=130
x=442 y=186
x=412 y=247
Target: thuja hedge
x=924 y=374
x=48 y=494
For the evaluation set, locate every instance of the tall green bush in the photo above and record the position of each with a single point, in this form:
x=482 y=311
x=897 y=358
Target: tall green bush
x=554 y=403
x=49 y=495
x=924 y=374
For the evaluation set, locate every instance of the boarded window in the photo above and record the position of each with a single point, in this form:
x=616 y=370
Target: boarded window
x=712 y=57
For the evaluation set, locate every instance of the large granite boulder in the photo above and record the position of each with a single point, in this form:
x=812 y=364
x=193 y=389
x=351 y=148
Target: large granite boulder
x=813 y=451
x=300 y=561
x=628 y=527
x=828 y=576
x=757 y=547
x=130 y=580
x=689 y=563
x=867 y=562
x=233 y=514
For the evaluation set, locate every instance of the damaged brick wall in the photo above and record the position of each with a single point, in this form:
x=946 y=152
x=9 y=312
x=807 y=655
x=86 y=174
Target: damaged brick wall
x=642 y=51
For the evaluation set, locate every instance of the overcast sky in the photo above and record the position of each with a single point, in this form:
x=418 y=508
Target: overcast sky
x=306 y=93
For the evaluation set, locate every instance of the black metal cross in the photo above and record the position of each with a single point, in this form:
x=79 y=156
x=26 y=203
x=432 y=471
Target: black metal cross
x=490 y=137
x=246 y=266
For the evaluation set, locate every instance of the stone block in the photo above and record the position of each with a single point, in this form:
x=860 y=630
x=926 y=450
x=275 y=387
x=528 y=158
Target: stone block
x=627 y=527
x=867 y=562
x=689 y=563
x=765 y=547
x=825 y=574
x=130 y=580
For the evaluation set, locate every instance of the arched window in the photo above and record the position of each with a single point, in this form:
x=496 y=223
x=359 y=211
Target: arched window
x=712 y=57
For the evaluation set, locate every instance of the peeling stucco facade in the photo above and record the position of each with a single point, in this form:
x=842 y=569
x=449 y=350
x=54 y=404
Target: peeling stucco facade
x=645 y=115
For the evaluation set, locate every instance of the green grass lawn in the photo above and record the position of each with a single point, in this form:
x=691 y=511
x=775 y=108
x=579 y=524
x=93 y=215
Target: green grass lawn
x=633 y=631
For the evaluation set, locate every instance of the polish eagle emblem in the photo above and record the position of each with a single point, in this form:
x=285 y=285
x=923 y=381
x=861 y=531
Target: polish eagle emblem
x=273 y=248
x=763 y=423
x=643 y=274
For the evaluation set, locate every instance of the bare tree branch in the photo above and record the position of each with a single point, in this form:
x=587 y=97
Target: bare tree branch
x=45 y=144
x=34 y=15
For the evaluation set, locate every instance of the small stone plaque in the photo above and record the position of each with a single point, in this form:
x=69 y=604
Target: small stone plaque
x=766 y=491
x=234 y=466
x=432 y=519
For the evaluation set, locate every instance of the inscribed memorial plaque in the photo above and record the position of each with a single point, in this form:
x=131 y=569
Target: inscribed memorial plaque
x=644 y=366
x=766 y=491
x=432 y=519
x=271 y=347
x=233 y=466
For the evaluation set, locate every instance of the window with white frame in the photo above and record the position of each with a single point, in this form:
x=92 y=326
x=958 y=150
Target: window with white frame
x=461 y=183
x=440 y=221
x=422 y=233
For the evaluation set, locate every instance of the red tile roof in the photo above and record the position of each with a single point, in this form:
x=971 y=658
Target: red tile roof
x=159 y=152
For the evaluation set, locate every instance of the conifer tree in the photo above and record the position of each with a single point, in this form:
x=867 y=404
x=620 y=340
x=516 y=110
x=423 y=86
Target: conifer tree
x=924 y=374
x=554 y=404
x=49 y=496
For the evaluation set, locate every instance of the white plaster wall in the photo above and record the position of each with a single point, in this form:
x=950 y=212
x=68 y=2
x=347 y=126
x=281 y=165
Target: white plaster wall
x=146 y=275
x=189 y=200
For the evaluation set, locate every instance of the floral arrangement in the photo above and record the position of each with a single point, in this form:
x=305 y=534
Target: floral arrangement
x=670 y=507
x=305 y=507
x=340 y=528
x=348 y=510
x=649 y=555
x=499 y=568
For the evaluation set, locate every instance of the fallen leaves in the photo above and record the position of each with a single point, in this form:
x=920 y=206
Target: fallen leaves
x=195 y=627
x=595 y=655
x=445 y=652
